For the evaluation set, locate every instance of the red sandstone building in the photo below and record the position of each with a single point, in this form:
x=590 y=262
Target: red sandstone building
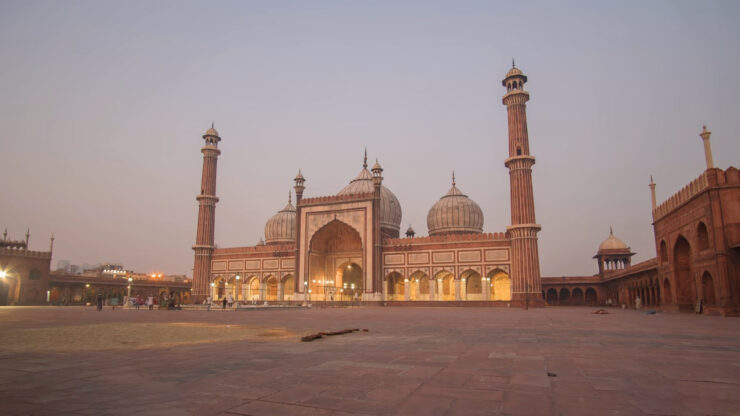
x=697 y=241
x=348 y=246
x=24 y=273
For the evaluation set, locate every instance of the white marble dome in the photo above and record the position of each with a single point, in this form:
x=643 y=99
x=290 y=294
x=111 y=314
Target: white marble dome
x=455 y=213
x=390 y=208
x=281 y=227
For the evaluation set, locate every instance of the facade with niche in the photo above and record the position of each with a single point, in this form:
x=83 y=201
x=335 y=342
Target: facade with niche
x=347 y=247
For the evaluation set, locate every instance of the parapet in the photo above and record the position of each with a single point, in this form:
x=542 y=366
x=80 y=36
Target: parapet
x=271 y=248
x=14 y=252
x=336 y=198
x=710 y=178
x=687 y=192
x=447 y=238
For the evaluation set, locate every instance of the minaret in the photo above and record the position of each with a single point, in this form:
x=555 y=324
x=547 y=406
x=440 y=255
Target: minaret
x=652 y=192
x=206 y=217
x=707 y=148
x=377 y=171
x=525 y=262
x=299 y=187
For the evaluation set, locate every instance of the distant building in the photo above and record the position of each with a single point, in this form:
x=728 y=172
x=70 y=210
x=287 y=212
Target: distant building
x=24 y=273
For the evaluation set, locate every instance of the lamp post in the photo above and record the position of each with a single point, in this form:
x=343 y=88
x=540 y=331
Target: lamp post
x=237 y=287
x=130 y=280
x=465 y=287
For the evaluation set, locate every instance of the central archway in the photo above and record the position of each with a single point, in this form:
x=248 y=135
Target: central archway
x=335 y=260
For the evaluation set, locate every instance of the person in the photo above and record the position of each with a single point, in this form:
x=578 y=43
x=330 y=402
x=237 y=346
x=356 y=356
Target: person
x=150 y=302
x=100 y=302
x=137 y=302
x=209 y=302
x=638 y=303
x=224 y=303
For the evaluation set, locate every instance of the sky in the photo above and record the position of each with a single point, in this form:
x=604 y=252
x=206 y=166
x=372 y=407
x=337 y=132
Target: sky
x=104 y=104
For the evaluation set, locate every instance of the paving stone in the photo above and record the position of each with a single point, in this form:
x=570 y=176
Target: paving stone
x=413 y=361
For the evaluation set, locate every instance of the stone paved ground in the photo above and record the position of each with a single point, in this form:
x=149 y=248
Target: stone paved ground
x=412 y=361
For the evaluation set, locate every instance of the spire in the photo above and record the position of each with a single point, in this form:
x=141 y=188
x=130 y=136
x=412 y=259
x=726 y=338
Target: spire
x=5 y=234
x=364 y=161
x=213 y=126
x=290 y=197
x=512 y=62
x=652 y=192
x=453 y=178
x=51 y=245
x=611 y=232
x=707 y=148
x=28 y=234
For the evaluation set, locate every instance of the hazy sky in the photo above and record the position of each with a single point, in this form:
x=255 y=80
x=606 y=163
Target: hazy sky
x=104 y=104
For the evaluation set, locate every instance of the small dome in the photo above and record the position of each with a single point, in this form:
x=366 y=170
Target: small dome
x=281 y=227
x=613 y=243
x=410 y=230
x=455 y=213
x=514 y=71
x=390 y=208
x=261 y=242
x=211 y=132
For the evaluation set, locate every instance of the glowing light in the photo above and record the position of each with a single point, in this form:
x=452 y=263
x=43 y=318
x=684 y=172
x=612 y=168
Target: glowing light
x=3 y=274
x=130 y=279
x=87 y=285
x=238 y=277
x=213 y=284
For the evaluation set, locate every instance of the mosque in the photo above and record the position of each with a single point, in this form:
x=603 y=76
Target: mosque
x=348 y=247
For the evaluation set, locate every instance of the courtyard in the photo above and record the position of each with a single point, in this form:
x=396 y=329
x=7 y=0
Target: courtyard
x=410 y=361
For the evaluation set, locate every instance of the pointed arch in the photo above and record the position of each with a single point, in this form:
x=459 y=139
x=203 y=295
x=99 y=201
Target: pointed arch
x=685 y=286
x=500 y=285
x=702 y=236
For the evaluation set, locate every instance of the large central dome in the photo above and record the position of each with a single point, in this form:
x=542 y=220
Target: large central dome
x=390 y=208
x=455 y=213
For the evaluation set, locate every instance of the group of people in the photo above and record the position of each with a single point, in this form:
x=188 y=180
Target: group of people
x=136 y=302
x=226 y=301
x=139 y=302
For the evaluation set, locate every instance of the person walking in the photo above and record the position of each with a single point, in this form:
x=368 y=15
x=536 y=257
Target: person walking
x=100 y=302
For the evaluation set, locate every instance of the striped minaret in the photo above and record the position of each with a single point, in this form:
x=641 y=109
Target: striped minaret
x=206 y=218
x=526 y=286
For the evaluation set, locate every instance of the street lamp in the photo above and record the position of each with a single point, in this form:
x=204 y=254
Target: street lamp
x=3 y=274
x=130 y=279
x=237 y=287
